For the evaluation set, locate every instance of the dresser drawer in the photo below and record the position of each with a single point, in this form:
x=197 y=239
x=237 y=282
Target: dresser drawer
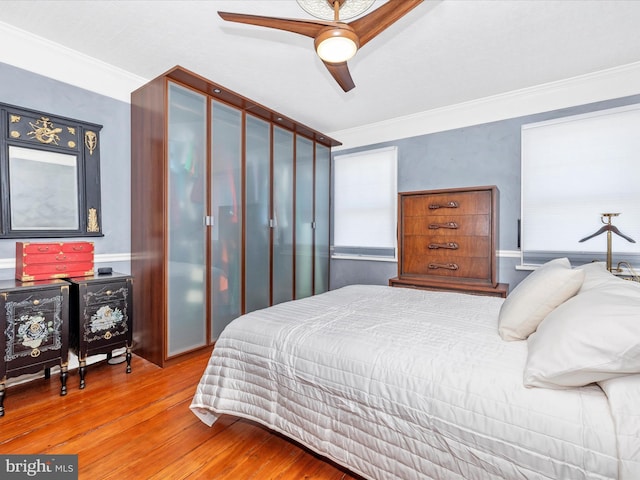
x=447 y=225
x=438 y=249
x=453 y=267
x=40 y=271
x=58 y=258
x=41 y=248
x=444 y=204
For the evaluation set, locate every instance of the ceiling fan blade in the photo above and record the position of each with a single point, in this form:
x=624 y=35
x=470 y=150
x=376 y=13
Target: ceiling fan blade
x=381 y=18
x=340 y=71
x=309 y=28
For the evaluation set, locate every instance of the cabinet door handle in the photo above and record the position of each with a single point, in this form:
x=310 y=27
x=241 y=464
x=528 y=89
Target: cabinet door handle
x=449 y=245
x=435 y=226
x=447 y=266
x=451 y=204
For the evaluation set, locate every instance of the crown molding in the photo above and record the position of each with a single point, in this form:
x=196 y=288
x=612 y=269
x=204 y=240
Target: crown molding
x=75 y=68
x=607 y=84
x=65 y=65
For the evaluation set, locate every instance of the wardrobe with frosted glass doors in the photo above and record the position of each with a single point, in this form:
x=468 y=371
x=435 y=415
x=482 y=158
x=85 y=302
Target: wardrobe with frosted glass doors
x=230 y=211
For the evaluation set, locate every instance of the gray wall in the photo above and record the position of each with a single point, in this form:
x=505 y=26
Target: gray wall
x=487 y=154
x=25 y=89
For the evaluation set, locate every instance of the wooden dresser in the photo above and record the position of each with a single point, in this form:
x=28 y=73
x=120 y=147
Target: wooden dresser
x=447 y=240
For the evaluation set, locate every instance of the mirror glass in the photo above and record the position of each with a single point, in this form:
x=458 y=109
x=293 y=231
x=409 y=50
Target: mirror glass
x=43 y=192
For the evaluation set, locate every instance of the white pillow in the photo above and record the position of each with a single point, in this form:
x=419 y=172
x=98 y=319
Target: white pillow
x=536 y=296
x=592 y=337
x=595 y=273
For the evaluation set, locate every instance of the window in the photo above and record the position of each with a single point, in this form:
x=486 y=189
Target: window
x=574 y=169
x=365 y=198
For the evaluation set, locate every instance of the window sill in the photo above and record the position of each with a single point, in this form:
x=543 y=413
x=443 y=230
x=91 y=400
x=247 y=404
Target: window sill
x=368 y=258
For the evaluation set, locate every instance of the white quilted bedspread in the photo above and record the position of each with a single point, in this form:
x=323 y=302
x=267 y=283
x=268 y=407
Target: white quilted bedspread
x=408 y=384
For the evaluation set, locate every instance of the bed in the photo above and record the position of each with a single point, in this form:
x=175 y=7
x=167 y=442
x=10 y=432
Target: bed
x=396 y=383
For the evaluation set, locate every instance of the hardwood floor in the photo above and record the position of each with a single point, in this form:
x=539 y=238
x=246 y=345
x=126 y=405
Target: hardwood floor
x=139 y=427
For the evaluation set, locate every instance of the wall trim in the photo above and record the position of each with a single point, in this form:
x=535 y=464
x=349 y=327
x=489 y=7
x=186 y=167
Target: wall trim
x=606 y=84
x=10 y=263
x=65 y=65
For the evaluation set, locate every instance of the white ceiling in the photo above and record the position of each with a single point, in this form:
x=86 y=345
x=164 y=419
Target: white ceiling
x=442 y=53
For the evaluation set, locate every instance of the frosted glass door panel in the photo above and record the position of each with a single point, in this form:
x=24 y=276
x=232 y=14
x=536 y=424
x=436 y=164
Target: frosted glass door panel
x=304 y=217
x=186 y=210
x=258 y=214
x=321 y=210
x=226 y=210
x=283 y=215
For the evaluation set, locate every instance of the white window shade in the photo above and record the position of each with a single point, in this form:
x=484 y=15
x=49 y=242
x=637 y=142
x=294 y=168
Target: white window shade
x=573 y=170
x=365 y=199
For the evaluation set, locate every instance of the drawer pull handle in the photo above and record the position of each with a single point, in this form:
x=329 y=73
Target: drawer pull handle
x=61 y=268
x=78 y=248
x=435 y=226
x=452 y=204
x=36 y=302
x=447 y=266
x=43 y=249
x=449 y=245
x=61 y=257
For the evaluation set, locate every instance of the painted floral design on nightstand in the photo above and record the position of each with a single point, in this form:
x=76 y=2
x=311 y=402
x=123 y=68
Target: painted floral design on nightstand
x=34 y=329
x=105 y=318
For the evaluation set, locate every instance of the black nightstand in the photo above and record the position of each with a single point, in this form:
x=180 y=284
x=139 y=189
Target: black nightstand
x=34 y=330
x=100 y=313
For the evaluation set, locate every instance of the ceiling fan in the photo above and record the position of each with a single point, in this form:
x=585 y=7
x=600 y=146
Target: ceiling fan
x=335 y=41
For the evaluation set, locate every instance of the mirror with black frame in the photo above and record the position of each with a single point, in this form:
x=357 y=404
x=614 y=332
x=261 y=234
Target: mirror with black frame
x=50 y=170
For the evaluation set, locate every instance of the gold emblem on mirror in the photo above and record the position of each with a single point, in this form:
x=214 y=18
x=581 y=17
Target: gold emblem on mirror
x=44 y=131
x=92 y=221
x=91 y=141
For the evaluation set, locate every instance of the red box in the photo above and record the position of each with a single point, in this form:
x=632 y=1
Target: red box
x=39 y=261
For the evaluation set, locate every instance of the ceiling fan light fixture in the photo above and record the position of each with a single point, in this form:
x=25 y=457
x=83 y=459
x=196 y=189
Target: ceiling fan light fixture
x=337 y=45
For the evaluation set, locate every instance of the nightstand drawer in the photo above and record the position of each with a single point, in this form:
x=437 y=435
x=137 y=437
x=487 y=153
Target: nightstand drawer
x=105 y=317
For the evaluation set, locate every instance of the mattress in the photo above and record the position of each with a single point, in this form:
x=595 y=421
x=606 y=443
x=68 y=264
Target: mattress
x=397 y=383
